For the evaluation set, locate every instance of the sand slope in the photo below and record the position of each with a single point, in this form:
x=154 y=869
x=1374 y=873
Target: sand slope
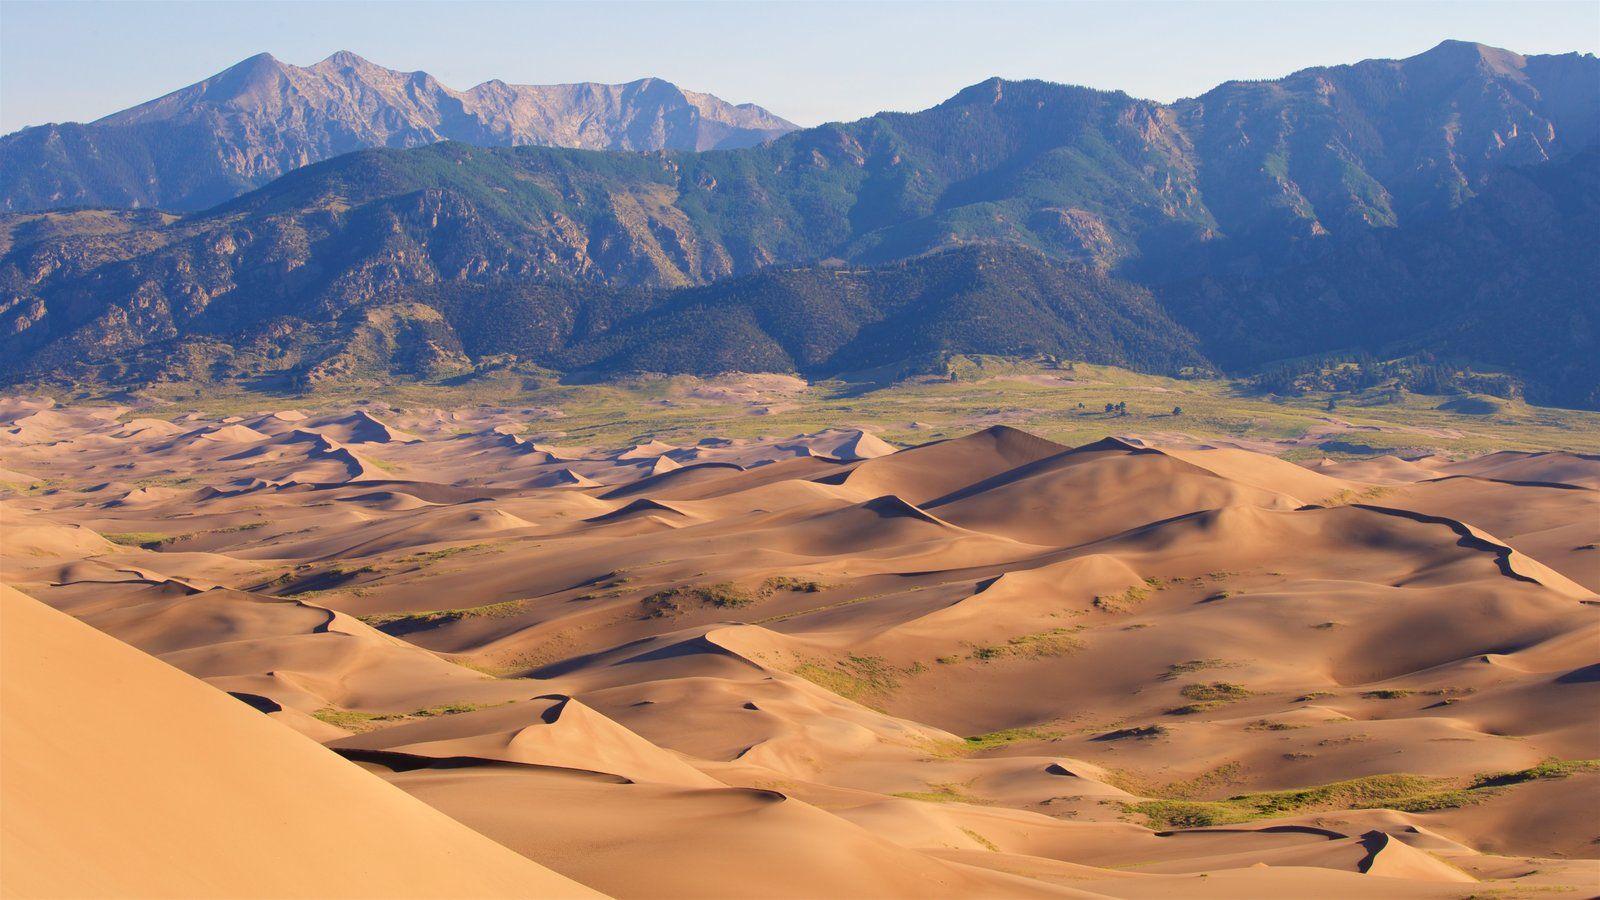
x=97 y=804
x=812 y=665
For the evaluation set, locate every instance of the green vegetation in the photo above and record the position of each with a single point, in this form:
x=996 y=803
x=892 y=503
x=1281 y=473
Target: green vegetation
x=1006 y=736
x=792 y=583
x=1346 y=496
x=1036 y=397
x=1406 y=793
x=1387 y=694
x=351 y=720
x=436 y=555
x=1055 y=642
x=1194 y=665
x=1117 y=603
x=1029 y=273
x=1550 y=768
x=149 y=540
x=154 y=540
x=415 y=620
x=359 y=722
x=679 y=600
x=723 y=595
x=1215 y=692
x=941 y=793
x=1314 y=695
x=868 y=680
x=994 y=740
x=985 y=842
x=1208 y=696
x=1265 y=725
x=1136 y=732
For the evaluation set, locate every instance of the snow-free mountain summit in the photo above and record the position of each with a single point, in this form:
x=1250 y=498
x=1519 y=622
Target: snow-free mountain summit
x=239 y=129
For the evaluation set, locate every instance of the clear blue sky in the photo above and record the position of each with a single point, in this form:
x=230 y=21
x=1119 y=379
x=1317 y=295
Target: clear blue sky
x=810 y=62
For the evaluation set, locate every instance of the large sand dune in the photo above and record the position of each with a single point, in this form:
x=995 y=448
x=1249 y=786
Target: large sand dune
x=791 y=667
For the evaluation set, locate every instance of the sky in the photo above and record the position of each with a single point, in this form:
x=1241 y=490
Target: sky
x=810 y=62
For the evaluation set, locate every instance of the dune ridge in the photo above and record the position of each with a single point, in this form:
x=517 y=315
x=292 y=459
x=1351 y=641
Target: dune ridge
x=805 y=665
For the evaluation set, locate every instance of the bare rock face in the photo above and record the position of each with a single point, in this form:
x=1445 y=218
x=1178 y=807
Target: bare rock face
x=253 y=122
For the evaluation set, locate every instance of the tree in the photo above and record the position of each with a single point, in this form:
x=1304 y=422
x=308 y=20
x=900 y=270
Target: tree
x=1177 y=410
x=1333 y=403
x=1111 y=407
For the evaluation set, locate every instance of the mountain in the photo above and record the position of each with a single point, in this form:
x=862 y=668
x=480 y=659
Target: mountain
x=1505 y=280
x=817 y=321
x=1209 y=230
x=824 y=321
x=261 y=118
x=1382 y=143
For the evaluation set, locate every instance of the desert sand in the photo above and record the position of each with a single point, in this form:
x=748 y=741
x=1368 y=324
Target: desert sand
x=465 y=662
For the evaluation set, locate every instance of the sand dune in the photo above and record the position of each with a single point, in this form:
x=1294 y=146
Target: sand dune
x=263 y=812
x=794 y=666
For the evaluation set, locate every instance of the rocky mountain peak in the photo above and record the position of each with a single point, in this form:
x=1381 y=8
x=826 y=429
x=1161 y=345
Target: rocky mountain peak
x=260 y=118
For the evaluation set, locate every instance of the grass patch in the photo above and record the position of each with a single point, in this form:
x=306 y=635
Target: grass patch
x=1216 y=691
x=351 y=720
x=1122 y=602
x=360 y=722
x=1037 y=398
x=450 y=709
x=1137 y=732
x=1055 y=642
x=1265 y=725
x=435 y=555
x=1405 y=793
x=676 y=601
x=1314 y=695
x=1387 y=694
x=1194 y=665
x=985 y=842
x=1550 y=768
x=868 y=680
x=792 y=583
x=941 y=793
x=148 y=540
x=1208 y=696
x=1347 y=496
x=994 y=740
x=441 y=616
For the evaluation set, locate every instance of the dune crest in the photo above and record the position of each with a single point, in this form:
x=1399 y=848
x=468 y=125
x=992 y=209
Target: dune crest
x=797 y=666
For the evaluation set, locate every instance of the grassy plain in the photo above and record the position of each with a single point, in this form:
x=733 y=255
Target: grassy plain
x=1066 y=404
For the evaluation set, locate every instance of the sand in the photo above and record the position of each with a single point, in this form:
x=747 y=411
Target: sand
x=125 y=777
x=800 y=666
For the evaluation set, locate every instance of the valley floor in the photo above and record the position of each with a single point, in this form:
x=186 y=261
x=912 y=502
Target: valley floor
x=651 y=650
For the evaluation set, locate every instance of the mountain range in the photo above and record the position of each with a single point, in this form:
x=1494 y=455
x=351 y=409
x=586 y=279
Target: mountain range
x=1444 y=203
x=254 y=121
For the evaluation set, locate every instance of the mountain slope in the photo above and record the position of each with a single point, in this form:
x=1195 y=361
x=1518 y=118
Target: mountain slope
x=1506 y=280
x=1382 y=142
x=261 y=118
x=817 y=321
x=1209 y=202
x=1001 y=300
